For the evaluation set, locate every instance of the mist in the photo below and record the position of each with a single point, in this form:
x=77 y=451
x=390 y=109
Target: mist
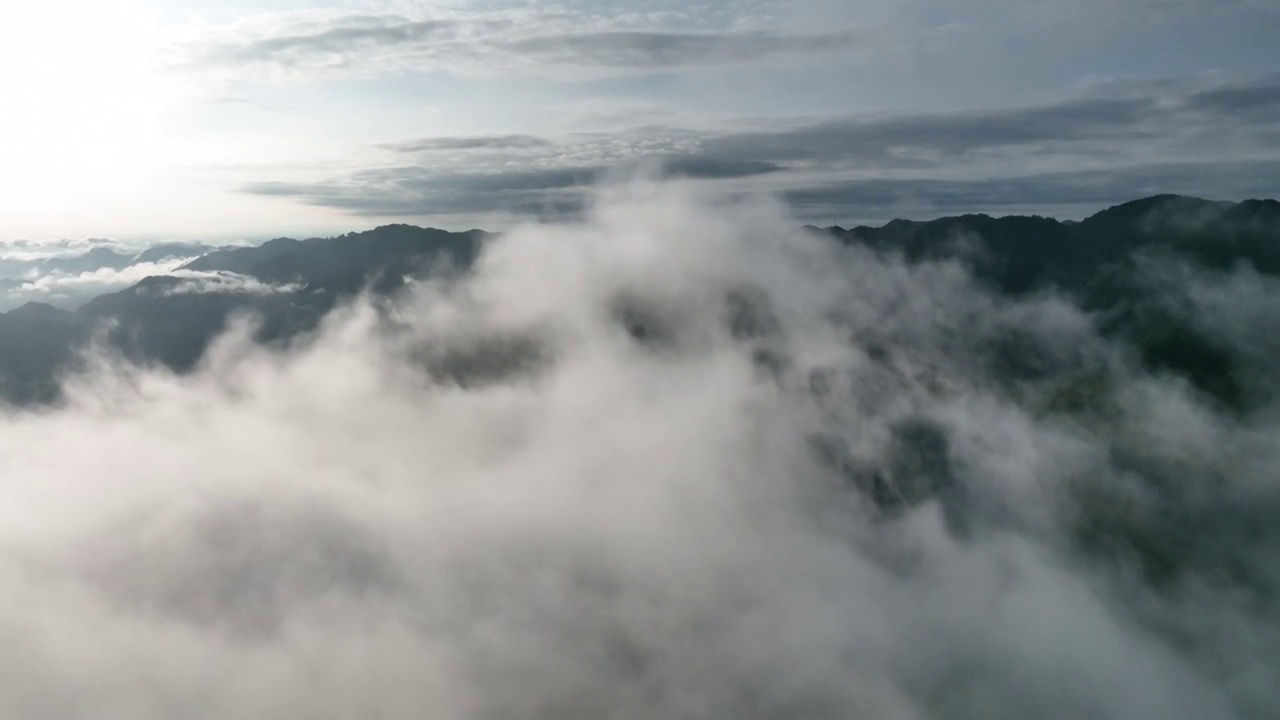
x=71 y=289
x=678 y=459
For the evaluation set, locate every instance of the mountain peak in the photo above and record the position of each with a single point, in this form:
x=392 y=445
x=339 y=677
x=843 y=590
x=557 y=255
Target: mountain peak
x=101 y=251
x=1166 y=202
x=35 y=308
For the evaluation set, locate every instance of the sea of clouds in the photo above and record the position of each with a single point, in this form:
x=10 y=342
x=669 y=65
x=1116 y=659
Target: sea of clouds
x=676 y=460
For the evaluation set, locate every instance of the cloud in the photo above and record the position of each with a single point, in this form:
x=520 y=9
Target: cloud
x=480 y=142
x=69 y=290
x=1133 y=127
x=403 y=191
x=102 y=277
x=1078 y=192
x=194 y=282
x=1088 y=152
x=630 y=49
x=945 y=135
x=26 y=251
x=1256 y=102
x=364 y=43
x=720 y=470
x=359 y=33
x=413 y=190
x=578 y=41
x=1228 y=307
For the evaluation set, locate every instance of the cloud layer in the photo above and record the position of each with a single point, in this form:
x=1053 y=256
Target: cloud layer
x=70 y=289
x=539 y=41
x=1077 y=155
x=672 y=461
x=316 y=102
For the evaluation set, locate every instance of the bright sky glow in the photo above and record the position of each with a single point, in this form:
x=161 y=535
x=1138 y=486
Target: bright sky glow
x=82 y=103
x=189 y=118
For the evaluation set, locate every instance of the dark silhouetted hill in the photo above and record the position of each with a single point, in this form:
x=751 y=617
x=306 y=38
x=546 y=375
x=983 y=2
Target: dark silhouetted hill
x=1096 y=261
x=291 y=284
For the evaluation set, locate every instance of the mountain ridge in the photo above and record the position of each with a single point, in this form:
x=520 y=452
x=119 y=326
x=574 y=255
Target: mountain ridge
x=291 y=284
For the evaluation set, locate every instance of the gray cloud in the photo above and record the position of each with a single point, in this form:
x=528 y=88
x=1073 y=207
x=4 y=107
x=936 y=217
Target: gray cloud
x=352 y=41
x=475 y=142
x=670 y=49
x=360 y=34
x=1074 y=193
x=1259 y=102
x=416 y=191
x=1067 y=156
x=893 y=141
x=1121 y=128
x=411 y=191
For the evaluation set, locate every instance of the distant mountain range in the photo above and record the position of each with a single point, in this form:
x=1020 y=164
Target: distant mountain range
x=1022 y=253
x=71 y=280
x=171 y=319
x=291 y=284
x=99 y=258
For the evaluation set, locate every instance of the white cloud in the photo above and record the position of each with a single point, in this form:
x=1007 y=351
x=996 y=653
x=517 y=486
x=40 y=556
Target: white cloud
x=225 y=282
x=35 y=250
x=102 y=279
x=72 y=289
x=622 y=517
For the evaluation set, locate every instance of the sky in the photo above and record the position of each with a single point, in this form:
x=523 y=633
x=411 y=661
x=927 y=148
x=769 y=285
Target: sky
x=144 y=120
